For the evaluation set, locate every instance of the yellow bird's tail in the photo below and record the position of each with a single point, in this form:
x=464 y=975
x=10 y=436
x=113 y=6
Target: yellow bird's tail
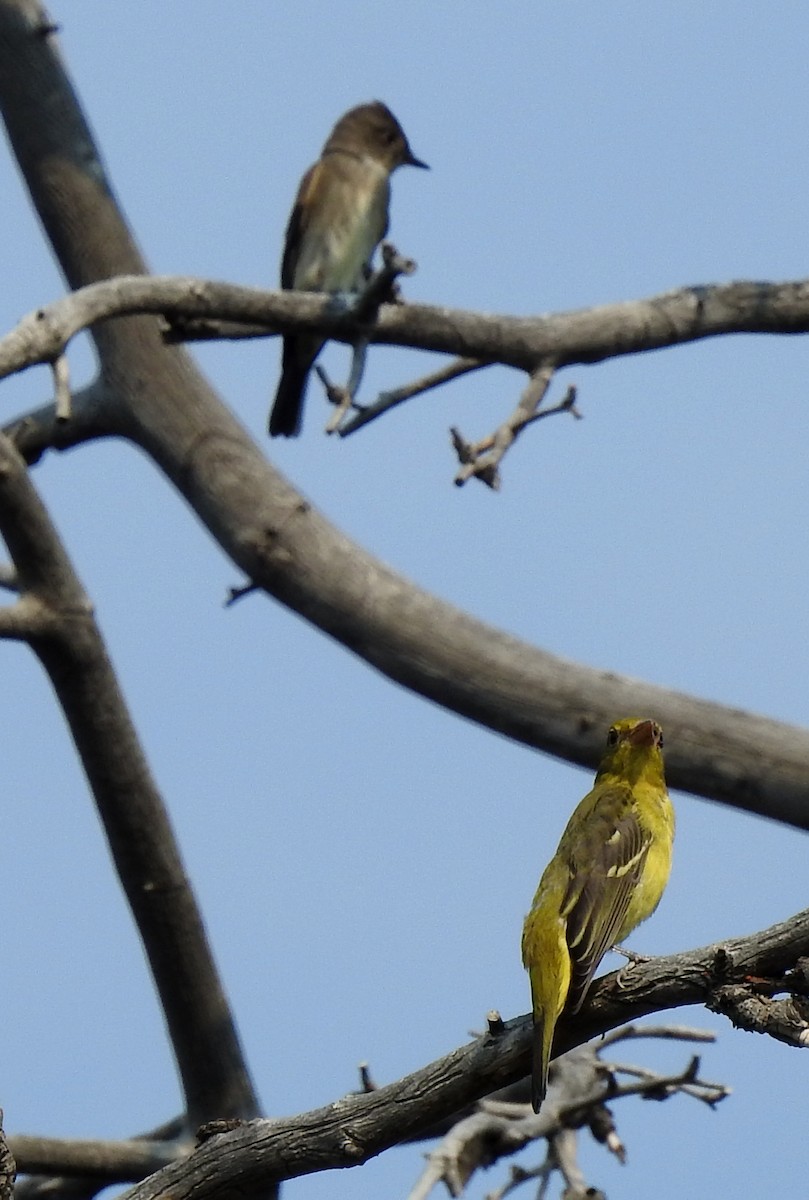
x=540 y=1060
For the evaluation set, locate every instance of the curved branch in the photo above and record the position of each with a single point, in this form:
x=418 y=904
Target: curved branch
x=358 y=1127
x=154 y=394
x=563 y=339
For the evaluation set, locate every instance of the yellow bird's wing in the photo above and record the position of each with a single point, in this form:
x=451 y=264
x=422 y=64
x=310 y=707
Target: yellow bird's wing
x=605 y=867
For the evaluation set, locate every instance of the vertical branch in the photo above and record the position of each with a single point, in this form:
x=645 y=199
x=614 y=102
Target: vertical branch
x=56 y=153
x=85 y=225
x=8 y=1167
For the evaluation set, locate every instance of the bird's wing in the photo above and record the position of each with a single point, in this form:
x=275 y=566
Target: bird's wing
x=604 y=870
x=296 y=226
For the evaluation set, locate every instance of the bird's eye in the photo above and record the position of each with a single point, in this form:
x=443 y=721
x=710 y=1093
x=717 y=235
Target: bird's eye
x=660 y=738
x=612 y=737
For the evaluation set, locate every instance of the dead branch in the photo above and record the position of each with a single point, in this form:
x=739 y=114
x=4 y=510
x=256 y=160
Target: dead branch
x=388 y=400
x=580 y=1083
x=359 y=1126
x=54 y=615
x=8 y=1167
x=154 y=395
x=580 y=336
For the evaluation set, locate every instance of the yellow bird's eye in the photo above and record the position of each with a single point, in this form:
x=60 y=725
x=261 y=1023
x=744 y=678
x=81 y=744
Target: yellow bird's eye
x=612 y=737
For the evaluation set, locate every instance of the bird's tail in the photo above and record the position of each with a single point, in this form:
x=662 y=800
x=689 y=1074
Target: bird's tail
x=540 y=1061
x=287 y=411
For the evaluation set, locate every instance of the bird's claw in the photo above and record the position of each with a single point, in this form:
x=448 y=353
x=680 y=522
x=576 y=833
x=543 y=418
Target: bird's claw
x=633 y=960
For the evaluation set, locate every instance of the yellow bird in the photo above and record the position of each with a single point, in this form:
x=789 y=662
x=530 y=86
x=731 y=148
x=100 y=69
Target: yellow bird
x=608 y=874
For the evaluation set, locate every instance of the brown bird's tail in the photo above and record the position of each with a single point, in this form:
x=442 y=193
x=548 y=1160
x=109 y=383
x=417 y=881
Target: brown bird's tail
x=287 y=411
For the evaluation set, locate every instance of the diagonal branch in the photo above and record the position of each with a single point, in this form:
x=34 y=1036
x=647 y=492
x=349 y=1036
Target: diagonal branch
x=288 y=548
x=385 y=401
x=154 y=394
x=358 y=1127
x=56 y=618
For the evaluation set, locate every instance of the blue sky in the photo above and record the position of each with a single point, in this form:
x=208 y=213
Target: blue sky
x=363 y=858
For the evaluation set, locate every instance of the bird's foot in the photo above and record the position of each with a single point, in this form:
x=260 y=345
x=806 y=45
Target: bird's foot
x=342 y=302
x=633 y=960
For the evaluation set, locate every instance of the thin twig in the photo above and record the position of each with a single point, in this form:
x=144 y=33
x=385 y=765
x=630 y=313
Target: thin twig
x=653 y=1086
x=686 y=1082
x=390 y=399
x=680 y=1033
x=481 y=460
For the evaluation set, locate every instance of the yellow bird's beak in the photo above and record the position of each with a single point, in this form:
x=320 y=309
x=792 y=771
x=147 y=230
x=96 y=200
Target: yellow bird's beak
x=645 y=733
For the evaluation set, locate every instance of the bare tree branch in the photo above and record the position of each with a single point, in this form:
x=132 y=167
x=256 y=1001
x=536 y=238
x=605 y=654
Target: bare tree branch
x=102 y=1161
x=55 y=616
x=154 y=394
x=358 y=1127
x=151 y=392
x=294 y=553
x=52 y=1156
x=563 y=339
x=575 y=1101
x=391 y=399
x=481 y=460
x=8 y=1167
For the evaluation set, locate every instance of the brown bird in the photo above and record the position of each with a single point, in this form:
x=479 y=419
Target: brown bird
x=339 y=217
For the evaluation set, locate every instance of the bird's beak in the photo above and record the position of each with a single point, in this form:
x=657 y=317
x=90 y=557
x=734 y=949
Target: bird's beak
x=643 y=734
x=412 y=161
